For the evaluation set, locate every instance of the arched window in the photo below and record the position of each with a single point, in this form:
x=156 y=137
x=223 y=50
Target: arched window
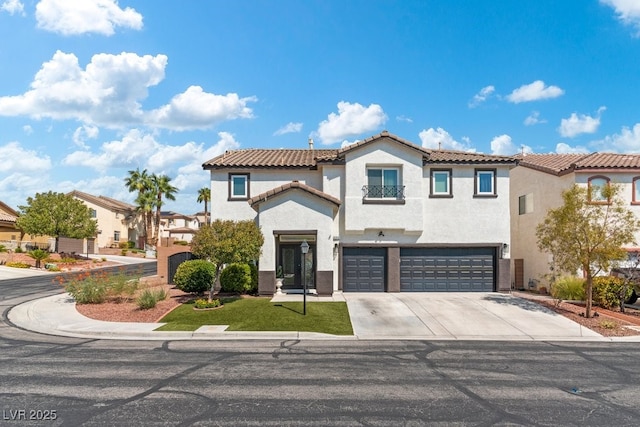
x=597 y=185
x=636 y=191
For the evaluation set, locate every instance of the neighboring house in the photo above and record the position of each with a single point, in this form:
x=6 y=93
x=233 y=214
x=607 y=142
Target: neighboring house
x=380 y=215
x=117 y=221
x=537 y=185
x=201 y=218
x=11 y=236
x=178 y=226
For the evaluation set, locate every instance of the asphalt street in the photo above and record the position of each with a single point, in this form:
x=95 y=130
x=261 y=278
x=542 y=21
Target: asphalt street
x=49 y=380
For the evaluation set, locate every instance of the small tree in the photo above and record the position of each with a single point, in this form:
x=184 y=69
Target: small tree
x=56 y=215
x=587 y=234
x=227 y=242
x=39 y=255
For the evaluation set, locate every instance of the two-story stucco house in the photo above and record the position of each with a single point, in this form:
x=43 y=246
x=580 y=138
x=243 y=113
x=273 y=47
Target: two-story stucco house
x=178 y=226
x=537 y=185
x=118 y=222
x=380 y=215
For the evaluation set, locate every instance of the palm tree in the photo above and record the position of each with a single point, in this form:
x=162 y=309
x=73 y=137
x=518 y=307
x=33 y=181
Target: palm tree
x=145 y=202
x=204 y=195
x=161 y=187
x=141 y=182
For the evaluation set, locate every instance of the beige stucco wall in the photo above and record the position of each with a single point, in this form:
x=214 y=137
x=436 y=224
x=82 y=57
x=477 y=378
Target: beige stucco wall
x=109 y=222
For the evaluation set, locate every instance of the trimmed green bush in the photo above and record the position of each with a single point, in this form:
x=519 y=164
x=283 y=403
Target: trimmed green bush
x=149 y=298
x=254 y=279
x=609 y=290
x=569 y=288
x=236 y=278
x=195 y=276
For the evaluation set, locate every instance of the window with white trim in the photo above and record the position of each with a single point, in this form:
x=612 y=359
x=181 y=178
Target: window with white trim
x=383 y=183
x=440 y=183
x=597 y=186
x=485 y=182
x=525 y=204
x=239 y=186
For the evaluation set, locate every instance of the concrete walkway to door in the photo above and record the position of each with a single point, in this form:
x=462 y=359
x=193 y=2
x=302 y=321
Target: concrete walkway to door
x=458 y=316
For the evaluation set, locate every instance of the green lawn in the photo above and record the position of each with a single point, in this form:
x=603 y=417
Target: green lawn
x=260 y=314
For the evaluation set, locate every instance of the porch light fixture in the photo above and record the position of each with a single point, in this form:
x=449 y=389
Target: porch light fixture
x=304 y=247
x=380 y=233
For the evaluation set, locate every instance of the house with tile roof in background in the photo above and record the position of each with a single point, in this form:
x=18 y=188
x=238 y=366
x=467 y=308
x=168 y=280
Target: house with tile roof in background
x=177 y=226
x=537 y=184
x=118 y=222
x=380 y=215
x=11 y=237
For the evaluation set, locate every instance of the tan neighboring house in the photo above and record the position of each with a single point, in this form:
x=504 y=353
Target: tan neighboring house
x=117 y=221
x=11 y=237
x=536 y=186
x=178 y=226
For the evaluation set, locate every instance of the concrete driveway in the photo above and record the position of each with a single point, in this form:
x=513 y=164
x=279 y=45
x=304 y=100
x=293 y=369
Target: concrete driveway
x=464 y=316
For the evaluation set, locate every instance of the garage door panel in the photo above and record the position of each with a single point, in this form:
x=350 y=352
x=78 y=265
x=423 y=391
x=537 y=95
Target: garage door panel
x=447 y=269
x=363 y=269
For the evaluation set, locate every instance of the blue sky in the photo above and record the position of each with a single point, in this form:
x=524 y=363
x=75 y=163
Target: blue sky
x=90 y=89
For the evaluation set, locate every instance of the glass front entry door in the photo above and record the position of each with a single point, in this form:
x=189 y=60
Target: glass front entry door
x=294 y=264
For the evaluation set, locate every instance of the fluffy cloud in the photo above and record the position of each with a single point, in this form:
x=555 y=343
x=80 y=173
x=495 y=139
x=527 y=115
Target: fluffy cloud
x=85 y=16
x=481 y=96
x=628 y=12
x=81 y=134
x=12 y=7
x=351 y=120
x=534 y=119
x=504 y=146
x=17 y=159
x=534 y=92
x=440 y=138
x=562 y=148
x=627 y=141
x=575 y=125
x=109 y=93
x=289 y=128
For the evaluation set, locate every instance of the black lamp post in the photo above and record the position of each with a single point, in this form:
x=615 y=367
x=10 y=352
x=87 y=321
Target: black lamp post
x=304 y=247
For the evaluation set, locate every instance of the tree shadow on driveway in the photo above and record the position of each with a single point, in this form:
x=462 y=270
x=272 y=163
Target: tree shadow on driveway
x=517 y=302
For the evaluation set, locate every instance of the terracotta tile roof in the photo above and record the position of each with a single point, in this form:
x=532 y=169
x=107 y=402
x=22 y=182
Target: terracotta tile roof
x=560 y=164
x=105 y=202
x=292 y=185
x=8 y=210
x=306 y=158
x=268 y=158
x=7 y=218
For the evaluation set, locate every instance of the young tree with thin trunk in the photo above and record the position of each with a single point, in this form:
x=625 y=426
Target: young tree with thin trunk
x=56 y=215
x=226 y=242
x=204 y=195
x=588 y=233
x=161 y=186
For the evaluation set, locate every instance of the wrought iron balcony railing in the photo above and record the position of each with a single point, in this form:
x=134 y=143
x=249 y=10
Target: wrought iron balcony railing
x=383 y=192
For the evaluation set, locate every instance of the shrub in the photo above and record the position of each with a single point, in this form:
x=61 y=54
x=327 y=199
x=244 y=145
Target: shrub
x=18 y=250
x=131 y=244
x=568 y=288
x=18 y=264
x=149 y=298
x=195 y=276
x=39 y=255
x=236 y=278
x=254 y=278
x=608 y=324
x=123 y=252
x=3 y=248
x=609 y=290
x=87 y=289
x=123 y=245
x=181 y=242
x=204 y=303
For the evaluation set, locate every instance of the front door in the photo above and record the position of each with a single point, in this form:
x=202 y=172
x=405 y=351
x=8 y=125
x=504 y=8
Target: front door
x=297 y=266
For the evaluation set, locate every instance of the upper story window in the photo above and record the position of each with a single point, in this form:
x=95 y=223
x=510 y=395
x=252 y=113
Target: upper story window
x=94 y=213
x=636 y=191
x=440 y=183
x=597 y=186
x=238 y=186
x=485 y=183
x=383 y=184
x=525 y=204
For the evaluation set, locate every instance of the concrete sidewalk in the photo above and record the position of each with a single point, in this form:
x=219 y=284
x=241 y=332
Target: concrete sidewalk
x=374 y=316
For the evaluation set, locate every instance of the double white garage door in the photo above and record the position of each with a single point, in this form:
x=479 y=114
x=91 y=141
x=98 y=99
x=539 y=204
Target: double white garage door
x=421 y=269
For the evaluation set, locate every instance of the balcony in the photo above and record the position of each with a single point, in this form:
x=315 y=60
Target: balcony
x=383 y=194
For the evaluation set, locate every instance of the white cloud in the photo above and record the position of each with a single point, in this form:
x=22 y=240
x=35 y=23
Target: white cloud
x=534 y=119
x=15 y=158
x=575 y=125
x=503 y=145
x=109 y=93
x=481 y=96
x=351 y=120
x=197 y=109
x=85 y=16
x=404 y=119
x=562 y=148
x=628 y=12
x=27 y=129
x=81 y=134
x=289 y=128
x=534 y=92
x=627 y=141
x=12 y=7
x=440 y=138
